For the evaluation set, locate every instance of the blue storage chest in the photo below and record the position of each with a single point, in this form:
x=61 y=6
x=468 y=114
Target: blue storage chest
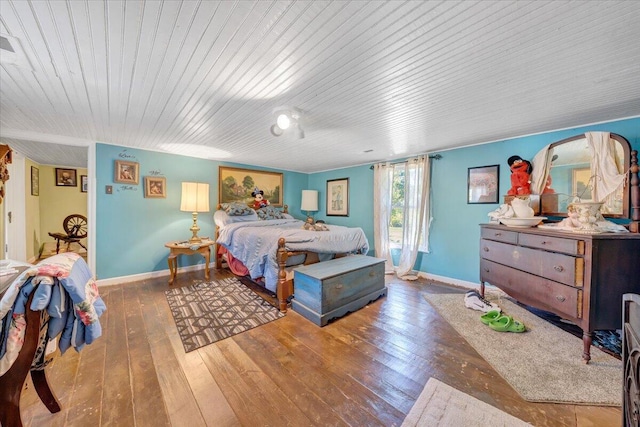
x=331 y=289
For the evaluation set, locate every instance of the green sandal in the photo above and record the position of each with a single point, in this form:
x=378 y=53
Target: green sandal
x=489 y=316
x=507 y=324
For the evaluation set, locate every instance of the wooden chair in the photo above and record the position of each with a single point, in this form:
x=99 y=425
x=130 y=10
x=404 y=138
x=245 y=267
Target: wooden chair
x=75 y=227
x=12 y=382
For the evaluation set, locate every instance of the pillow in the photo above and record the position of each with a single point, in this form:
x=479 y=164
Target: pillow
x=269 y=212
x=221 y=218
x=237 y=209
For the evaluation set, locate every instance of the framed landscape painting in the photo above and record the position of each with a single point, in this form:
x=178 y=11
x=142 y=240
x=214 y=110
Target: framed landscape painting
x=236 y=185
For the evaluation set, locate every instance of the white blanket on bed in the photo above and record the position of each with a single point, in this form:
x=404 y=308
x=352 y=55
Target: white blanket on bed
x=255 y=243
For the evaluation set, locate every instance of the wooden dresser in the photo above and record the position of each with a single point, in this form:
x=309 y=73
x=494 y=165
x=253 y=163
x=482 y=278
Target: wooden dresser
x=579 y=277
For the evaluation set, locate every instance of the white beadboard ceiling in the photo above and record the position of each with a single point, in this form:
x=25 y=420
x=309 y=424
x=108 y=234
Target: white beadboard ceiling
x=375 y=80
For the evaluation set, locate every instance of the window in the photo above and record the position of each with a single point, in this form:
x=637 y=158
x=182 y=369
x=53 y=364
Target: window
x=396 y=219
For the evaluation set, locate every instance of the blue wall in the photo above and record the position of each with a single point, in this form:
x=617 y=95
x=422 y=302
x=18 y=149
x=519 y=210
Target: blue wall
x=131 y=230
x=360 y=198
x=455 y=233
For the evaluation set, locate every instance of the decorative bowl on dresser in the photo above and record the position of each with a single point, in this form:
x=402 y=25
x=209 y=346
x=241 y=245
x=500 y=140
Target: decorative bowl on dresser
x=579 y=277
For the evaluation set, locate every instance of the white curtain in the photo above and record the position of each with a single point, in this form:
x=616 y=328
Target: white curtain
x=608 y=176
x=416 y=213
x=541 y=164
x=382 y=186
x=416 y=219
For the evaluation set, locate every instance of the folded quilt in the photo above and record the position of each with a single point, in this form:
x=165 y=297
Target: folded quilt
x=65 y=291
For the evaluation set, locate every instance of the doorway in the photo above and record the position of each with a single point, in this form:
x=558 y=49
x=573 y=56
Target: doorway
x=30 y=213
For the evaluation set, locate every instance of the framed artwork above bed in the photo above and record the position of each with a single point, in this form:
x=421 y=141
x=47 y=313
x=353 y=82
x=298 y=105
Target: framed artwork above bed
x=236 y=185
x=338 y=197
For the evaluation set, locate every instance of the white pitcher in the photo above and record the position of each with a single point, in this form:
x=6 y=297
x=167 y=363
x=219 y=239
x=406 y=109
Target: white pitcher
x=521 y=208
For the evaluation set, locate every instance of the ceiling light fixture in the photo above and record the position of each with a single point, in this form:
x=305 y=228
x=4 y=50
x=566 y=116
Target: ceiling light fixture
x=287 y=118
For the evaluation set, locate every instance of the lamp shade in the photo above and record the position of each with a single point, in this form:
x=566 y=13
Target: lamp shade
x=309 y=200
x=195 y=197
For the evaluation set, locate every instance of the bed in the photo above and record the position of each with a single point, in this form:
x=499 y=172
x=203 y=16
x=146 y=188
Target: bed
x=265 y=244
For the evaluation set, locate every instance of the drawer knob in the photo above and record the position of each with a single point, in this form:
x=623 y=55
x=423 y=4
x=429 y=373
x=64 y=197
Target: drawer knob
x=558 y=268
x=338 y=286
x=486 y=249
x=486 y=270
x=498 y=234
x=544 y=242
x=560 y=298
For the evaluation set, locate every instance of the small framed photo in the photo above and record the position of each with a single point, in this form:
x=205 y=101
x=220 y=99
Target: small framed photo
x=483 y=184
x=126 y=172
x=155 y=186
x=338 y=197
x=66 y=177
x=84 y=183
x=35 y=181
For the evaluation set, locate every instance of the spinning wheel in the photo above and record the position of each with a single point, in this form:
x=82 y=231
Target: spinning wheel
x=75 y=227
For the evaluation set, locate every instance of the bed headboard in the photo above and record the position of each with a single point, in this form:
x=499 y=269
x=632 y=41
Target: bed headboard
x=285 y=208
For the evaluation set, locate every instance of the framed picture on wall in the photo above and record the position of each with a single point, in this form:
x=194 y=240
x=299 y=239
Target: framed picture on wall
x=35 y=181
x=66 y=177
x=338 y=197
x=84 y=183
x=482 y=184
x=126 y=172
x=155 y=186
x=236 y=185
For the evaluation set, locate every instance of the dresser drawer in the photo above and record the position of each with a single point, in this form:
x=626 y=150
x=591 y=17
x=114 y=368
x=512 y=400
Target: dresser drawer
x=555 y=244
x=499 y=235
x=557 y=267
x=564 y=300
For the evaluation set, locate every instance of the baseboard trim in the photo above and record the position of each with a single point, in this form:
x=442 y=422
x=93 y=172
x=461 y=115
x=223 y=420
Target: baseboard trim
x=457 y=282
x=153 y=274
x=449 y=280
x=142 y=276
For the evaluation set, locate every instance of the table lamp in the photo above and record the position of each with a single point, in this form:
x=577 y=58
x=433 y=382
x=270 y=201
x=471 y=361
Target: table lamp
x=309 y=201
x=195 y=198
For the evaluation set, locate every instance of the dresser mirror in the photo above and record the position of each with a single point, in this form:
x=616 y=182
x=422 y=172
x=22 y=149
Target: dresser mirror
x=570 y=176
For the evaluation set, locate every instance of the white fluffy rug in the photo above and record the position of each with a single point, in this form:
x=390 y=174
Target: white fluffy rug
x=543 y=364
x=442 y=405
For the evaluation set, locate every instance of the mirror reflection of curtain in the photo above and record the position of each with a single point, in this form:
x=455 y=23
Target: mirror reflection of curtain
x=606 y=171
x=608 y=175
x=416 y=212
x=541 y=164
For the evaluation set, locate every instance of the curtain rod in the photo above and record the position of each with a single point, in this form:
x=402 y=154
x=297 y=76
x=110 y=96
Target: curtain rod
x=434 y=156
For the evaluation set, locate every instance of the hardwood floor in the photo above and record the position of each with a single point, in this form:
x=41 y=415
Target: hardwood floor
x=365 y=369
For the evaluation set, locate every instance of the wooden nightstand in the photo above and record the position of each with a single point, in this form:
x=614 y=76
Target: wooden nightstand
x=185 y=248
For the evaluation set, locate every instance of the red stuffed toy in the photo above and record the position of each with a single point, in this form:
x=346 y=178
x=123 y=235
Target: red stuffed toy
x=520 y=176
x=259 y=200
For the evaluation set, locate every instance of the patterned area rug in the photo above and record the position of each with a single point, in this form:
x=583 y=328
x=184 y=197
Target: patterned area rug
x=210 y=311
x=440 y=404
